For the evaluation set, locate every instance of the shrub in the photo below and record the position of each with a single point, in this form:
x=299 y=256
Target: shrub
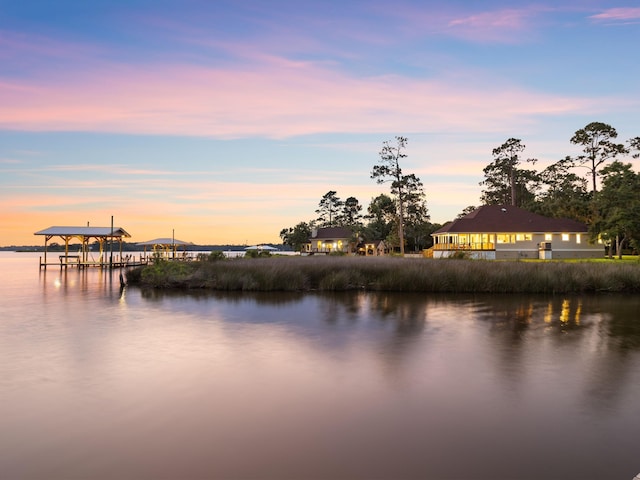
x=215 y=255
x=459 y=255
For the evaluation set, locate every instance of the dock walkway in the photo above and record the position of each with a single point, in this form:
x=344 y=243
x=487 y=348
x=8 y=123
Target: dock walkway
x=118 y=261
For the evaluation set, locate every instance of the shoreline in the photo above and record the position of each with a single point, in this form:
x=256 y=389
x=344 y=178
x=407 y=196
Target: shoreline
x=392 y=274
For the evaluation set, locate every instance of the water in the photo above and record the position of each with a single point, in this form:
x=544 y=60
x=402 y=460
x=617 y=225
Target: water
x=96 y=383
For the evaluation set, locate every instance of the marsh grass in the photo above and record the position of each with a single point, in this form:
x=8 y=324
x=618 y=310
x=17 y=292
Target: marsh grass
x=391 y=274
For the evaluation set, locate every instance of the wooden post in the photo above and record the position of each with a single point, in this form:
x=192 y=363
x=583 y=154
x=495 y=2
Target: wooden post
x=111 y=245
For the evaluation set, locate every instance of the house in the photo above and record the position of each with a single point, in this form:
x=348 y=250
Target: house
x=499 y=232
x=373 y=248
x=329 y=239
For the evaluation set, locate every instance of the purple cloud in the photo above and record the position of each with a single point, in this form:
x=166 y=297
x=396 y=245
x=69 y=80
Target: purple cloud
x=503 y=26
x=618 y=14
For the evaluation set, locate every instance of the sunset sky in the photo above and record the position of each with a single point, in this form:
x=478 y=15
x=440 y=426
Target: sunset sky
x=226 y=121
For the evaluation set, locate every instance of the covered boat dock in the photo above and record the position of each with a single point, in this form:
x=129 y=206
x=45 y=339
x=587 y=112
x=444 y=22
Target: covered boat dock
x=82 y=255
x=166 y=249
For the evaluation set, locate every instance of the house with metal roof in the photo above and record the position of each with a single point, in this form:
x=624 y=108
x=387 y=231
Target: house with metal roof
x=330 y=239
x=498 y=232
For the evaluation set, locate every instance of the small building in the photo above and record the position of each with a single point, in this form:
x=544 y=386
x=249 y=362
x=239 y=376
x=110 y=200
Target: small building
x=375 y=248
x=497 y=232
x=329 y=239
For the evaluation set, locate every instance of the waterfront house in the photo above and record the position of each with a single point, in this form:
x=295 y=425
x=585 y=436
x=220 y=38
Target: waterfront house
x=329 y=239
x=499 y=232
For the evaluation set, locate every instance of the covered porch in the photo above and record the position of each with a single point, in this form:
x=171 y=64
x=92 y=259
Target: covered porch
x=465 y=241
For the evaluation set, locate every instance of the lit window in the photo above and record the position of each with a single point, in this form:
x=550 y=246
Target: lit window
x=565 y=237
x=506 y=238
x=578 y=239
x=548 y=236
x=523 y=237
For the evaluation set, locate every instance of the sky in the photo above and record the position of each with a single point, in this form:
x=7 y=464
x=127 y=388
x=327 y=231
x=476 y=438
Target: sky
x=223 y=122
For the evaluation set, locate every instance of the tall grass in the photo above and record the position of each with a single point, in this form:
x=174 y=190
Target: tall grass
x=391 y=274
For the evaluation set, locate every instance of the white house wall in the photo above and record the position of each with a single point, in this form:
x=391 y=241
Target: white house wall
x=562 y=246
x=569 y=248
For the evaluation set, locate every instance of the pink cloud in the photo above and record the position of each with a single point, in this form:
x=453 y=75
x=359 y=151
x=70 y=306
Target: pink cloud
x=274 y=98
x=631 y=13
x=511 y=25
x=502 y=25
x=9 y=161
x=18 y=46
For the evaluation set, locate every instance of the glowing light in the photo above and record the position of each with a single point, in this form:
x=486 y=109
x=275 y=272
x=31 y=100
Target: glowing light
x=564 y=313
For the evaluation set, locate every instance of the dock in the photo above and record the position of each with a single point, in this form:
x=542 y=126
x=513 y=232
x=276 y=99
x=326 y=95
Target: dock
x=77 y=261
x=133 y=259
x=83 y=256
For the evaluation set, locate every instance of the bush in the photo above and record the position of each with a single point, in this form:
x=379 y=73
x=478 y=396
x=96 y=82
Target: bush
x=166 y=274
x=459 y=255
x=216 y=255
x=256 y=254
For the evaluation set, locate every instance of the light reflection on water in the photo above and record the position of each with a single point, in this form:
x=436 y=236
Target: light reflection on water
x=99 y=382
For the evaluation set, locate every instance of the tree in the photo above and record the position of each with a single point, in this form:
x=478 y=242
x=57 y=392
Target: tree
x=565 y=194
x=416 y=213
x=297 y=236
x=328 y=209
x=505 y=182
x=466 y=211
x=350 y=215
x=381 y=216
x=634 y=146
x=598 y=147
x=389 y=170
x=618 y=207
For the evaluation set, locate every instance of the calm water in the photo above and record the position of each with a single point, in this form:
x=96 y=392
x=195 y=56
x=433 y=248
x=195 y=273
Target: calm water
x=99 y=383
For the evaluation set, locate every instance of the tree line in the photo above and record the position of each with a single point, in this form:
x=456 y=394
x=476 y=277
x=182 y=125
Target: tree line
x=607 y=199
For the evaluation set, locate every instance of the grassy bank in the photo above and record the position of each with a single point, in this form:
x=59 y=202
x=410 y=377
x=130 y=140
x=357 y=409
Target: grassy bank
x=391 y=274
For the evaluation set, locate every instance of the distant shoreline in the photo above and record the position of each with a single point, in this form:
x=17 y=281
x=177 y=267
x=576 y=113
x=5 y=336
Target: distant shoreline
x=129 y=248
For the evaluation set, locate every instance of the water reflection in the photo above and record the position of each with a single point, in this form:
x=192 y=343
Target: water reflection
x=515 y=315
x=75 y=282
x=408 y=313
x=99 y=382
x=598 y=331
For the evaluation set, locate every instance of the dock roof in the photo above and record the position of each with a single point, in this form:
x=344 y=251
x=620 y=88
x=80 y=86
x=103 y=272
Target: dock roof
x=165 y=241
x=84 y=232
